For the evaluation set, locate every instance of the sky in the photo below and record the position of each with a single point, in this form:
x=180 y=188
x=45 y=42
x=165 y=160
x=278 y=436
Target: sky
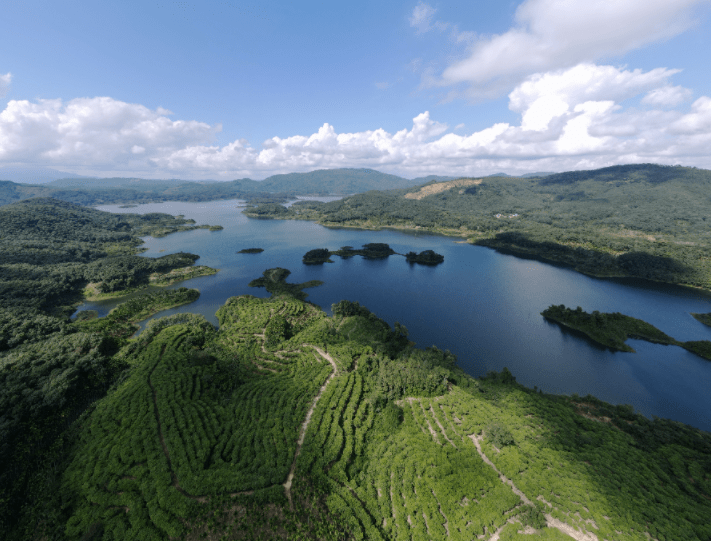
x=225 y=90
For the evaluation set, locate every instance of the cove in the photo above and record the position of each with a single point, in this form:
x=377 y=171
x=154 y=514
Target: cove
x=482 y=305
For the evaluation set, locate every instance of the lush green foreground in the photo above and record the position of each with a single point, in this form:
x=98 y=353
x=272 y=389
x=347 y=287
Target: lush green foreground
x=611 y=330
x=286 y=423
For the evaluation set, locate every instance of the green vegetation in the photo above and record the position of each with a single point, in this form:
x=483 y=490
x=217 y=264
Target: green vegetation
x=216 y=228
x=121 y=321
x=428 y=257
x=611 y=330
x=317 y=256
x=287 y=423
x=703 y=318
x=646 y=221
x=373 y=250
x=251 y=251
x=51 y=251
x=274 y=281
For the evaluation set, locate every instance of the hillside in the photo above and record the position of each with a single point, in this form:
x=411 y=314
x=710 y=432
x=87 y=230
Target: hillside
x=644 y=220
x=286 y=423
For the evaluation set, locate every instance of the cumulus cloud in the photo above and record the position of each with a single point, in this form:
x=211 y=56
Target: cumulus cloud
x=554 y=34
x=667 y=96
x=96 y=132
x=5 y=81
x=573 y=118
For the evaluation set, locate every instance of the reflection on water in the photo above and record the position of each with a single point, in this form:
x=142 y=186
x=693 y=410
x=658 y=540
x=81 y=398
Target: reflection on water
x=481 y=305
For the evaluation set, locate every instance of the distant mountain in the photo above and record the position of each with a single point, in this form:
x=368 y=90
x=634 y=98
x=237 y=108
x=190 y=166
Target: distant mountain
x=334 y=181
x=34 y=175
x=430 y=178
x=527 y=175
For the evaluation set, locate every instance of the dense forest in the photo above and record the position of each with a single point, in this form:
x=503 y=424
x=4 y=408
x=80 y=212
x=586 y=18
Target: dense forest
x=647 y=221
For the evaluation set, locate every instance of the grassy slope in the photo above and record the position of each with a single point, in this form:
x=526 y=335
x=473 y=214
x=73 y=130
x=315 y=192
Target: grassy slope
x=202 y=436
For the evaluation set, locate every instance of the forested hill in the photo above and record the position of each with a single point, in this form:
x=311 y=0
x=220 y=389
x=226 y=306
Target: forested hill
x=50 y=250
x=639 y=220
x=92 y=191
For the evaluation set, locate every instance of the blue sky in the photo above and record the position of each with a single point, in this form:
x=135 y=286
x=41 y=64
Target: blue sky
x=224 y=90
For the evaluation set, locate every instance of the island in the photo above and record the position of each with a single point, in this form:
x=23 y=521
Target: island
x=251 y=251
x=703 y=318
x=427 y=257
x=317 y=257
x=216 y=228
x=612 y=329
x=274 y=281
x=373 y=250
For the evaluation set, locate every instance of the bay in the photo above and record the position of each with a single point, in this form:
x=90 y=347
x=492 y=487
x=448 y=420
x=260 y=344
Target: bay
x=482 y=305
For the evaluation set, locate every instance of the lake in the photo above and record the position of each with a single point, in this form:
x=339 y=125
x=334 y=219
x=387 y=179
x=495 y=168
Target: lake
x=482 y=305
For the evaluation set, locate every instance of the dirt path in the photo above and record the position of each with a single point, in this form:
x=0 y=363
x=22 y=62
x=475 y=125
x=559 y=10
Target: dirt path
x=551 y=522
x=305 y=424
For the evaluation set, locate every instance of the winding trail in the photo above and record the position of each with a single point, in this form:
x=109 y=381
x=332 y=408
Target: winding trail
x=305 y=424
x=551 y=522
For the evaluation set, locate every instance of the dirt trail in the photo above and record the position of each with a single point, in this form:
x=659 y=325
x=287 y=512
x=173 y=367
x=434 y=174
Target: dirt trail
x=551 y=522
x=305 y=424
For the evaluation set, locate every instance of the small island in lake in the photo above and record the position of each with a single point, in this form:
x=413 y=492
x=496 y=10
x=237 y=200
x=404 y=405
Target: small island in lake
x=428 y=257
x=703 y=318
x=612 y=329
x=216 y=228
x=251 y=251
x=317 y=256
x=128 y=207
x=274 y=281
x=373 y=250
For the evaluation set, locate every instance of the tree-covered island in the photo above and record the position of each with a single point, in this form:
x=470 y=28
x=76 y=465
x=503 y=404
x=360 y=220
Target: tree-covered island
x=251 y=251
x=703 y=318
x=373 y=250
x=612 y=329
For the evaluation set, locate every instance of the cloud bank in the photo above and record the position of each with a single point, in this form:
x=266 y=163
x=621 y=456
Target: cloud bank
x=571 y=118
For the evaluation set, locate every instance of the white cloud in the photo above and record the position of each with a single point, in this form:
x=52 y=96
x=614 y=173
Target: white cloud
x=572 y=118
x=667 y=96
x=5 y=81
x=545 y=96
x=421 y=17
x=97 y=132
x=554 y=34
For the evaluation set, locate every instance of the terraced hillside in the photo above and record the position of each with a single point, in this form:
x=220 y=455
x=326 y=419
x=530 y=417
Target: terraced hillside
x=286 y=423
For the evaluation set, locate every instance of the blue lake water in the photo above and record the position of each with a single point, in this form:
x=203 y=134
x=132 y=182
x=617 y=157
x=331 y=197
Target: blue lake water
x=481 y=305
